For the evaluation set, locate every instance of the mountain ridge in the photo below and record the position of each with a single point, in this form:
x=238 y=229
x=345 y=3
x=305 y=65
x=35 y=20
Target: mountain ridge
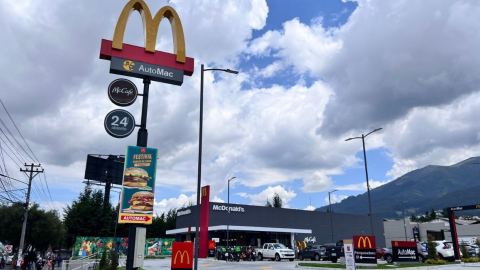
x=429 y=187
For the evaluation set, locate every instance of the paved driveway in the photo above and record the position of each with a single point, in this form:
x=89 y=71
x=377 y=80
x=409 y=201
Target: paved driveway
x=267 y=265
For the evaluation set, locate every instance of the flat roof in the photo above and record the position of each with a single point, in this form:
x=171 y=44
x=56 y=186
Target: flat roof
x=241 y=228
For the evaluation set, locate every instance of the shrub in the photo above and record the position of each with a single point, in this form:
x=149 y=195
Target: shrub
x=433 y=261
x=463 y=248
x=469 y=260
x=432 y=248
x=113 y=265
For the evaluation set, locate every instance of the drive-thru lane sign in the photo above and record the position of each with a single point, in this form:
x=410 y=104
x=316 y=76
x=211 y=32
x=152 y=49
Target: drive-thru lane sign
x=365 y=250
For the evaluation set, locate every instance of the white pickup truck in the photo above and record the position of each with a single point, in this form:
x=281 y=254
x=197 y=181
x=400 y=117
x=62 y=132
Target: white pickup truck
x=275 y=251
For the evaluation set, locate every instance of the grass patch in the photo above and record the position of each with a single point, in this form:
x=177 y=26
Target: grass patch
x=380 y=266
x=155 y=258
x=124 y=268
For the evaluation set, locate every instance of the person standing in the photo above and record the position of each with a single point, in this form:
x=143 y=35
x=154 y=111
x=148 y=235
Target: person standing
x=49 y=264
x=2 y=263
x=53 y=263
x=60 y=261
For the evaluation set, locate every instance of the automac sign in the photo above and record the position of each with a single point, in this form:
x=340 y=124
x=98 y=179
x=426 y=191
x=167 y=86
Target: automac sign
x=217 y=207
x=183 y=212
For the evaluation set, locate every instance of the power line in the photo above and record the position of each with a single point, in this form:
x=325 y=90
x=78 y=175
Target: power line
x=12 y=178
x=8 y=130
x=18 y=131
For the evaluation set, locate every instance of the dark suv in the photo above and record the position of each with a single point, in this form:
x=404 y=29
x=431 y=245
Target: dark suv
x=316 y=253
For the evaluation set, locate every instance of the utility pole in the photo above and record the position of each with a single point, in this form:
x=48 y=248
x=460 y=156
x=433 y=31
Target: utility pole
x=24 y=226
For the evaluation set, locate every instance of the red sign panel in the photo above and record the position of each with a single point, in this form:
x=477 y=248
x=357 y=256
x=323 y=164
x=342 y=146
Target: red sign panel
x=182 y=256
x=364 y=242
x=404 y=244
x=211 y=244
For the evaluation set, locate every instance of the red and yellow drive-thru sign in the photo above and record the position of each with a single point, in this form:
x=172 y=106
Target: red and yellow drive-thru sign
x=211 y=244
x=361 y=242
x=117 y=49
x=182 y=255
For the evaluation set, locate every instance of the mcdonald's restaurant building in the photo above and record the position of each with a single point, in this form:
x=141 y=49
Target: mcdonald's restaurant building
x=256 y=225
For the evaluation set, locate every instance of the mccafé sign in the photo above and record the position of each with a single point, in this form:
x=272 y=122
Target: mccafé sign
x=146 y=62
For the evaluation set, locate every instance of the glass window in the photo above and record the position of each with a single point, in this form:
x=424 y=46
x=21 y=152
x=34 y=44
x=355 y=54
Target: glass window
x=279 y=246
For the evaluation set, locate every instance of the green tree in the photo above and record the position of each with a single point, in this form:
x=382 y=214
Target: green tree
x=444 y=213
x=413 y=218
x=433 y=214
x=103 y=261
x=268 y=204
x=463 y=248
x=113 y=262
x=87 y=216
x=432 y=248
x=277 y=201
x=44 y=228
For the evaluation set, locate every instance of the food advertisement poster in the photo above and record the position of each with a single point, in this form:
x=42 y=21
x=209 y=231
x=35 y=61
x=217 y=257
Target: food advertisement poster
x=136 y=205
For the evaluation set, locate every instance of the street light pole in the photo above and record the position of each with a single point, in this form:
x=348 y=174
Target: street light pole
x=199 y=172
x=404 y=224
x=228 y=209
x=330 y=209
x=366 y=174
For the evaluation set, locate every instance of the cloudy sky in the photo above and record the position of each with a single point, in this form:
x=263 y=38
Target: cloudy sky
x=312 y=73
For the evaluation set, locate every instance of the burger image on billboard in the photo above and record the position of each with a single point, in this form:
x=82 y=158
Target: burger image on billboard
x=141 y=201
x=135 y=177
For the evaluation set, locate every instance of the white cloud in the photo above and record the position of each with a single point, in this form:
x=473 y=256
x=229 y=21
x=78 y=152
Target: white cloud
x=362 y=186
x=316 y=182
x=179 y=202
x=335 y=198
x=309 y=208
x=267 y=194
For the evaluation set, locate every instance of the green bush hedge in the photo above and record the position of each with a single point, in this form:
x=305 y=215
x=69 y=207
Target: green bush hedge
x=470 y=260
x=433 y=261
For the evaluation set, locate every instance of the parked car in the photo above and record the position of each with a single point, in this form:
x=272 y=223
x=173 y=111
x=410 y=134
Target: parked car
x=333 y=251
x=445 y=250
x=421 y=249
x=316 y=253
x=275 y=251
x=380 y=252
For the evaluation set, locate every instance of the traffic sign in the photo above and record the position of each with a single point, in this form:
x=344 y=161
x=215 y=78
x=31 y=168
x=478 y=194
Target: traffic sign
x=122 y=92
x=119 y=123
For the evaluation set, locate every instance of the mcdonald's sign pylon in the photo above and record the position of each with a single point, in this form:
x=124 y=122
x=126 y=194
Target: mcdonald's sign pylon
x=146 y=62
x=364 y=250
x=182 y=256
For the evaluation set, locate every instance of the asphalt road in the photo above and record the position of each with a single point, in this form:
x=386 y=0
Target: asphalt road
x=265 y=265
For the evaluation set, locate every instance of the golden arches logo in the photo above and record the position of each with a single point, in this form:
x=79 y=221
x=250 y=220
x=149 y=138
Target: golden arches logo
x=477 y=206
x=204 y=192
x=182 y=254
x=128 y=65
x=150 y=27
x=396 y=243
x=364 y=241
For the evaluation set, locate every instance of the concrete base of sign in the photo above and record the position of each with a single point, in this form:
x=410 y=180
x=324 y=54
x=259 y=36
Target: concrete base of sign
x=342 y=260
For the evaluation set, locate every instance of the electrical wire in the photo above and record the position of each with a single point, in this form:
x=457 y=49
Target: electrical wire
x=19 y=133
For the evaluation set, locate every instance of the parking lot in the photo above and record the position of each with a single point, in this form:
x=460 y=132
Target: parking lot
x=265 y=265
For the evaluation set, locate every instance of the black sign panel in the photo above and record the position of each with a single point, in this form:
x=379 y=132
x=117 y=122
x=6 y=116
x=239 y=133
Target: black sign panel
x=365 y=256
x=122 y=92
x=405 y=254
x=119 y=123
x=145 y=70
x=364 y=250
x=404 y=251
x=104 y=170
x=211 y=253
